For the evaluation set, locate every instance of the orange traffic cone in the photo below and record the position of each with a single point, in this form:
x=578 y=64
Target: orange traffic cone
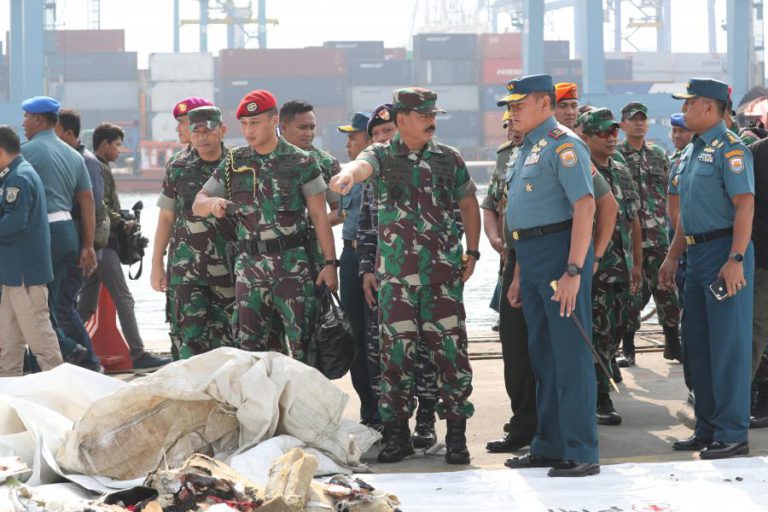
x=108 y=342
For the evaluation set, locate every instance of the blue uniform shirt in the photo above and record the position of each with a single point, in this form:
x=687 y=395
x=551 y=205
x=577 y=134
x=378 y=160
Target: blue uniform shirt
x=62 y=169
x=713 y=169
x=25 y=240
x=351 y=204
x=551 y=172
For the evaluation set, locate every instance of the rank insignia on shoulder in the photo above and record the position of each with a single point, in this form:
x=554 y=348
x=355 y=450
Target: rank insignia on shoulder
x=736 y=164
x=569 y=158
x=732 y=137
x=556 y=133
x=11 y=194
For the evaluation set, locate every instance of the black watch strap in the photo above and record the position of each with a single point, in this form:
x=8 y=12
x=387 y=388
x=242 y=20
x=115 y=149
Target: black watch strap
x=573 y=269
x=474 y=254
x=335 y=263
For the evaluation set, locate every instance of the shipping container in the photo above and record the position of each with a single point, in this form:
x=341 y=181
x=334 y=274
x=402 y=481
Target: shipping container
x=468 y=145
x=444 y=46
x=629 y=87
x=367 y=98
x=699 y=63
x=501 y=71
x=492 y=124
x=489 y=95
x=618 y=69
x=445 y=72
x=650 y=61
x=164 y=96
x=359 y=50
x=302 y=62
x=180 y=67
x=111 y=95
x=458 y=98
x=321 y=92
x=81 y=67
x=380 y=72
x=459 y=124
x=84 y=41
x=163 y=127
x=336 y=116
x=501 y=46
x=92 y=118
x=557 y=50
x=564 y=70
x=398 y=53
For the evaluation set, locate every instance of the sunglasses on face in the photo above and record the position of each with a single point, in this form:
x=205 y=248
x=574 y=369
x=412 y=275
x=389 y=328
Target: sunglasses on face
x=604 y=134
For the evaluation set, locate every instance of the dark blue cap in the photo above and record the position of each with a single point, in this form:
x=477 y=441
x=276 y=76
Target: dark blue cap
x=40 y=105
x=704 y=87
x=359 y=123
x=519 y=88
x=677 y=120
x=381 y=115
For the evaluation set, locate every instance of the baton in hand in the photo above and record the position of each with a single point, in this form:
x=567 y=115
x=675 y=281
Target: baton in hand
x=586 y=338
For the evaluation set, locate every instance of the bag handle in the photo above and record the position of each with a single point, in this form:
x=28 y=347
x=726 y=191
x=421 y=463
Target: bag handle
x=138 y=274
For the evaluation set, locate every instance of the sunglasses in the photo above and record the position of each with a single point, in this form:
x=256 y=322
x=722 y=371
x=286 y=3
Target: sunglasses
x=604 y=134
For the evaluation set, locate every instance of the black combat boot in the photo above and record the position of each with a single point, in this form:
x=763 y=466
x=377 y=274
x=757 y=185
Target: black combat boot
x=606 y=414
x=456 y=451
x=396 y=444
x=628 y=352
x=759 y=414
x=424 y=434
x=616 y=371
x=672 y=349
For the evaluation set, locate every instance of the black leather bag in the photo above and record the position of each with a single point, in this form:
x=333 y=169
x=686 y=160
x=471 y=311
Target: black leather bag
x=331 y=345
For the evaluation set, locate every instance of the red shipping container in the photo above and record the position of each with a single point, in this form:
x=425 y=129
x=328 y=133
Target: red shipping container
x=305 y=62
x=501 y=71
x=84 y=41
x=398 y=53
x=501 y=46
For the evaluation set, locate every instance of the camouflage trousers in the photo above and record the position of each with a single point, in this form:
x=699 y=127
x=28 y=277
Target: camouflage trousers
x=173 y=325
x=667 y=302
x=425 y=378
x=274 y=302
x=611 y=306
x=430 y=316
x=202 y=314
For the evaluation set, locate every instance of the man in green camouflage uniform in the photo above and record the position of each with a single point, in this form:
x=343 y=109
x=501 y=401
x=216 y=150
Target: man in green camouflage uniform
x=270 y=186
x=203 y=291
x=618 y=270
x=649 y=167
x=419 y=266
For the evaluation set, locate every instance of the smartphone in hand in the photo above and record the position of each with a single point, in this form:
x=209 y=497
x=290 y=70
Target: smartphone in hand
x=719 y=290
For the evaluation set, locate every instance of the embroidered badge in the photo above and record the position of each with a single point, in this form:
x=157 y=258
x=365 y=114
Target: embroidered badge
x=556 y=133
x=735 y=152
x=11 y=194
x=528 y=187
x=252 y=107
x=562 y=147
x=532 y=159
x=736 y=164
x=707 y=158
x=569 y=158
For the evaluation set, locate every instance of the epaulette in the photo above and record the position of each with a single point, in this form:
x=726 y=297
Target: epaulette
x=556 y=133
x=505 y=146
x=732 y=137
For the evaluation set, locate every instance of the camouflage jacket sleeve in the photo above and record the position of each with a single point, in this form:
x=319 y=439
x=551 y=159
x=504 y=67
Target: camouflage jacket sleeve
x=372 y=155
x=329 y=166
x=367 y=236
x=465 y=186
x=216 y=184
x=312 y=180
x=167 y=199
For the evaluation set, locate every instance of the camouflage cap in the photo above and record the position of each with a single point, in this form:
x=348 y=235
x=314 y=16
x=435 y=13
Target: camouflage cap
x=597 y=120
x=630 y=109
x=418 y=99
x=204 y=117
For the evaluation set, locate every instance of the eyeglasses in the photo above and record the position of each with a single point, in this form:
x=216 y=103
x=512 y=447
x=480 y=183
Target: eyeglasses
x=604 y=134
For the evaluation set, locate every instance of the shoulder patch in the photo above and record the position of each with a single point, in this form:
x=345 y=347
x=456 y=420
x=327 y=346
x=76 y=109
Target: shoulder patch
x=732 y=137
x=563 y=147
x=569 y=158
x=736 y=164
x=556 y=133
x=735 y=152
x=11 y=194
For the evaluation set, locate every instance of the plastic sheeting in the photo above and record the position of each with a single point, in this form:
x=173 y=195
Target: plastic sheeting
x=696 y=486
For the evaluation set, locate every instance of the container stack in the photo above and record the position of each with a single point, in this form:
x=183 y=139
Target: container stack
x=173 y=77
x=447 y=63
x=4 y=85
x=90 y=71
x=501 y=61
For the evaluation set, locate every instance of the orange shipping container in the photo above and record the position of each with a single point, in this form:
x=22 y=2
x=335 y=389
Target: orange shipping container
x=501 y=71
x=501 y=46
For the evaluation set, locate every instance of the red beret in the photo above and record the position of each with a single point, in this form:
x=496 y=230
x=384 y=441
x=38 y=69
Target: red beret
x=184 y=106
x=255 y=103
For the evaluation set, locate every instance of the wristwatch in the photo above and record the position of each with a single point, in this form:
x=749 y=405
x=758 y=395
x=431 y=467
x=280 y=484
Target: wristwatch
x=573 y=269
x=598 y=259
x=736 y=256
x=335 y=263
x=474 y=254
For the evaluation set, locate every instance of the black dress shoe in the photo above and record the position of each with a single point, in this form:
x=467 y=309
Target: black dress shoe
x=510 y=443
x=720 y=450
x=572 y=468
x=530 y=461
x=692 y=444
x=606 y=414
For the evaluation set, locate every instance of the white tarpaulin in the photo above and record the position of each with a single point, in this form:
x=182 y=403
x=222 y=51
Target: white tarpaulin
x=696 y=486
x=70 y=420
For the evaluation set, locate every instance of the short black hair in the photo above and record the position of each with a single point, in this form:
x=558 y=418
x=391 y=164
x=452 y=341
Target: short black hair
x=9 y=140
x=70 y=121
x=552 y=95
x=106 y=132
x=291 y=109
x=722 y=107
x=50 y=117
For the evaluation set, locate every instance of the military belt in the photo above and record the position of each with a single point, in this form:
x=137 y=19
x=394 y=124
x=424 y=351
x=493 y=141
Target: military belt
x=523 y=234
x=283 y=243
x=708 y=236
x=350 y=243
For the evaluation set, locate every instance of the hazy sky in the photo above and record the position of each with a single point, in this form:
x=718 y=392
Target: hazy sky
x=149 y=23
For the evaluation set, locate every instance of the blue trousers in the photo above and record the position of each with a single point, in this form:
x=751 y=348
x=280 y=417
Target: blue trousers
x=353 y=304
x=68 y=317
x=566 y=388
x=65 y=248
x=718 y=337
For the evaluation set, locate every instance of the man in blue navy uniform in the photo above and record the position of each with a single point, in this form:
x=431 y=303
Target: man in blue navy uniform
x=715 y=180
x=25 y=263
x=550 y=217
